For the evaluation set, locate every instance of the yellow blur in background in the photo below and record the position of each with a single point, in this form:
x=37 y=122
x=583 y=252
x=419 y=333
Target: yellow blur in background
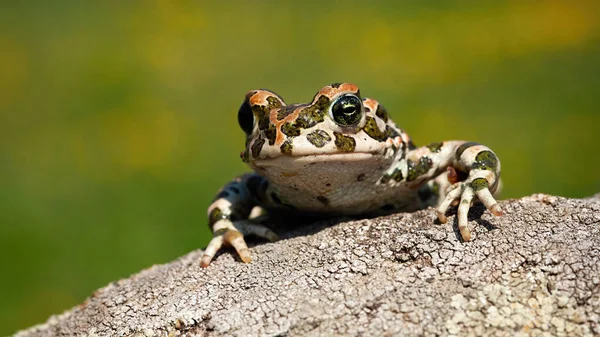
x=118 y=120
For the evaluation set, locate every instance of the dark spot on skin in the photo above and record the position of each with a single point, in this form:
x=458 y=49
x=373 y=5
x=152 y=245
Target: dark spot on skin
x=285 y=111
x=318 y=138
x=387 y=207
x=336 y=85
x=416 y=170
x=435 y=147
x=391 y=132
x=286 y=147
x=290 y=130
x=485 y=160
x=397 y=175
x=479 y=184
x=328 y=184
x=257 y=146
x=308 y=117
x=361 y=177
x=403 y=155
x=313 y=114
x=323 y=200
x=367 y=109
x=382 y=113
x=271 y=134
x=274 y=102
x=344 y=143
x=276 y=198
x=373 y=130
x=411 y=145
x=261 y=112
x=215 y=215
x=463 y=147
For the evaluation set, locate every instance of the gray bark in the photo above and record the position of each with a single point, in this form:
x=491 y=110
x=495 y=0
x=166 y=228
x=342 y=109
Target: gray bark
x=533 y=271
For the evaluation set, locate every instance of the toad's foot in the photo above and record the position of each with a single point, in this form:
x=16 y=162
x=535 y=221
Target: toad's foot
x=233 y=233
x=464 y=194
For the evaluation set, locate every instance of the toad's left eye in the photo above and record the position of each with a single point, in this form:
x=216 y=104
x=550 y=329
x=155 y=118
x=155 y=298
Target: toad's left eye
x=347 y=110
x=246 y=118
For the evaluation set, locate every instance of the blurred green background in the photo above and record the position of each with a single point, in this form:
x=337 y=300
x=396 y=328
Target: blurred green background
x=118 y=118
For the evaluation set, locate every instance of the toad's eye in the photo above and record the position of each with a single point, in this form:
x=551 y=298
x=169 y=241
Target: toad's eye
x=246 y=118
x=347 y=110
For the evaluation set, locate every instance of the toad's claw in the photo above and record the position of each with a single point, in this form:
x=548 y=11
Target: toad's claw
x=464 y=194
x=448 y=200
x=232 y=233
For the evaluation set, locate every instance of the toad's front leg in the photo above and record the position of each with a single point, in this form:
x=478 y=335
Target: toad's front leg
x=228 y=217
x=474 y=175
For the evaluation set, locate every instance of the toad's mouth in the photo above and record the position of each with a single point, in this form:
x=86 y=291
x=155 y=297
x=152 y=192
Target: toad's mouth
x=289 y=161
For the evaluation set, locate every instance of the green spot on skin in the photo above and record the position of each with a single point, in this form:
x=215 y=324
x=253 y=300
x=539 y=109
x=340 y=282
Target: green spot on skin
x=479 y=184
x=290 y=130
x=306 y=120
x=485 y=160
x=463 y=147
x=313 y=114
x=344 y=143
x=419 y=169
x=397 y=175
x=318 y=138
x=215 y=215
x=271 y=134
x=286 y=147
x=261 y=112
x=307 y=117
x=257 y=146
x=285 y=111
x=382 y=113
x=373 y=130
x=435 y=147
x=273 y=102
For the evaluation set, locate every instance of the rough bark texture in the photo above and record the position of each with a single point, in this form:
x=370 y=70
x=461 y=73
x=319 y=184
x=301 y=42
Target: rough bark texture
x=533 y=271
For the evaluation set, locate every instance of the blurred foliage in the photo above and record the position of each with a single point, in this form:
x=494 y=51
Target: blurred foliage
x=118 y=118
